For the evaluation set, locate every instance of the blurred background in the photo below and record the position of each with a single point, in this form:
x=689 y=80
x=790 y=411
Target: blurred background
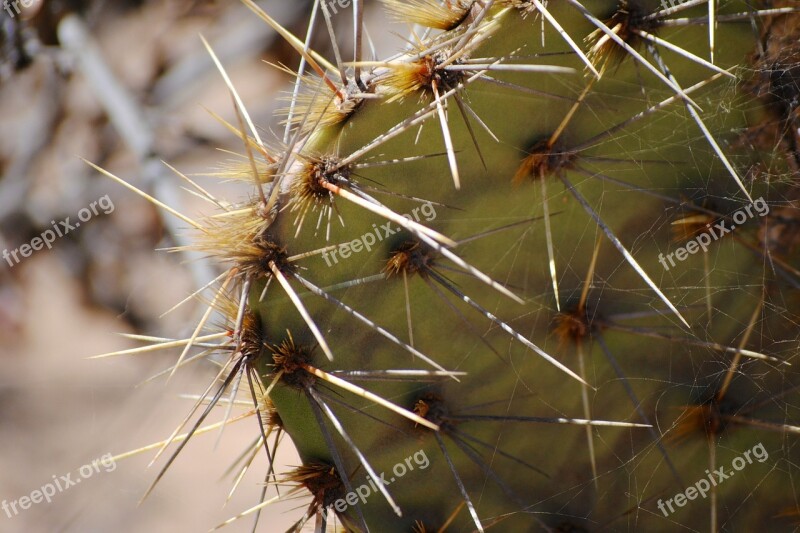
x=123 y=84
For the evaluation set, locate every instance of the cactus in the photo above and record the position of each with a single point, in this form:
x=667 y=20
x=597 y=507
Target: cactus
x=535 y=271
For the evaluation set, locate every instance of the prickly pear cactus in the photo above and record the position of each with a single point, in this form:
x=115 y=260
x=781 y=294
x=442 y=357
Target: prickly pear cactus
x=536 y=271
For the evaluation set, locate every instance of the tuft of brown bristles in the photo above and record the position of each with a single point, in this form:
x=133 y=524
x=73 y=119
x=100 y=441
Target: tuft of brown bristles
x=690 y=226
x=290 y=361
x=435 y=14
x=792 y=512
x=411 y=257
x=542 y=161
x=431 y=406
x=321 y=480
x=307 y=190
x=705 y=418
x=239 y=238
x=314 y=107
x=422 y=74
x=630 y=17
x=252 y=342
x=572 y=327
x=262 y=252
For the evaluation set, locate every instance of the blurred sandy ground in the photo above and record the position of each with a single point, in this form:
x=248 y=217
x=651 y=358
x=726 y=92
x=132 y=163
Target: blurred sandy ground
x=58 y=410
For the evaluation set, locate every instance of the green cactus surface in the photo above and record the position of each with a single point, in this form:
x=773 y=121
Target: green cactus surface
x=536 y=271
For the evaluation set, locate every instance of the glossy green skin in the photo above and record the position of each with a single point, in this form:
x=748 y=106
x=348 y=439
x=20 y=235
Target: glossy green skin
x=515 y=381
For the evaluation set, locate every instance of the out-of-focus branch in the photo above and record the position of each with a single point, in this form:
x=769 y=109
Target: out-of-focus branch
x=128 y=118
